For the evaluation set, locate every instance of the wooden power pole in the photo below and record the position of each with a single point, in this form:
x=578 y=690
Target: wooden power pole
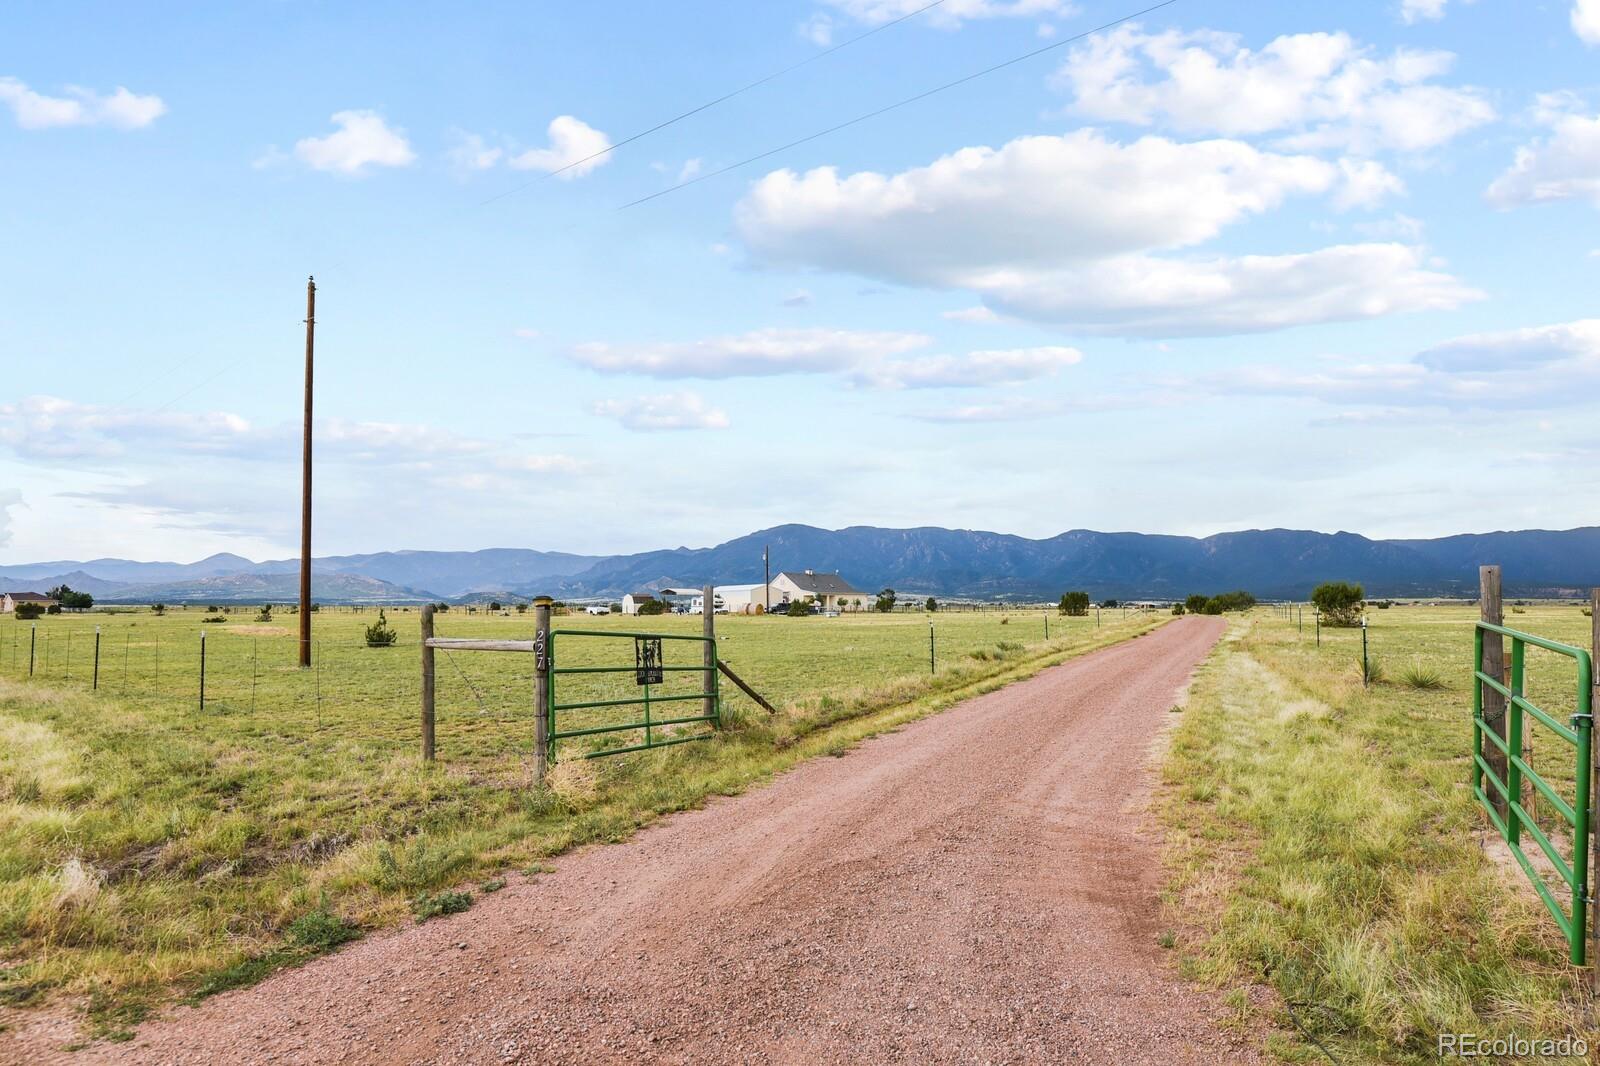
x=305 y=485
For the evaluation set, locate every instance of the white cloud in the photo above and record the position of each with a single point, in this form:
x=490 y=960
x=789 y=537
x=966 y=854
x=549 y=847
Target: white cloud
x=1366 y=184
x=1521 y=369
x=80 y=107
x=799 y=298
x=1317 y=90
x=1166 y=297
x=971 y=314
x=1586 y=20
x=1061 y=230
x=471 y=153
x=572 y=144
x=951 y=12
x=970 y=216
x=1414 y=11
x=818 y=29
x=662 y=412
x=1398 y=227
x=1562 y=166
x=759 y=353
x=993 y=367
x=362 y=140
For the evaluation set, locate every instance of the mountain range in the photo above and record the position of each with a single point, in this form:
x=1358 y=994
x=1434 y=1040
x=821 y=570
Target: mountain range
x=927 y=561
x=1271 y=563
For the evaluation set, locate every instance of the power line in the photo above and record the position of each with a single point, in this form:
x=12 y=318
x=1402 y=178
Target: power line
x=713 y=103
x=899 y=104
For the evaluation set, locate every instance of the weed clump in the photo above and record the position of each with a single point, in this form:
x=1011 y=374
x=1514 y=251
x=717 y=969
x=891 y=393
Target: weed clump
x=425 y=906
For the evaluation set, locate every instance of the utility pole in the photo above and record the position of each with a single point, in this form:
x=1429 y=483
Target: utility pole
x=305 y=486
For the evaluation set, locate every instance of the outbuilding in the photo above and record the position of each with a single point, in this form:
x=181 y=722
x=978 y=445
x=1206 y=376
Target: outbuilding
x=635 y=600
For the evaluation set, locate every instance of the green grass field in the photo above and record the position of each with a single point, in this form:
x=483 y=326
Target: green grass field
x=1325 y=841
x=149 y=848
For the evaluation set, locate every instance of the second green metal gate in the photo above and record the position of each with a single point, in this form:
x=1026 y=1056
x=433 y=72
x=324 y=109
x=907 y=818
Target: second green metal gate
x=653 y=728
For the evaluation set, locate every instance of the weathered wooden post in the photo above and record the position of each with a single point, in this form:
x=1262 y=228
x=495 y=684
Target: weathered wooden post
x=708 y=629
x=541 y=686
x=1494 y=653
x=427 y=683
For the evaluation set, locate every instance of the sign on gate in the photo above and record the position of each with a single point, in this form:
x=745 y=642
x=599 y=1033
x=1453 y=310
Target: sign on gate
x=647 y=663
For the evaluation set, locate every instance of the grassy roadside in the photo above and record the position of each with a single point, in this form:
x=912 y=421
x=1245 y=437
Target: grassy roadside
x=146 y=852
x=1323 y=840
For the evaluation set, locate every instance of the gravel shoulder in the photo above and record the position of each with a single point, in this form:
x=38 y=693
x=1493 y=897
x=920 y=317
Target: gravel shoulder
x=979 y=886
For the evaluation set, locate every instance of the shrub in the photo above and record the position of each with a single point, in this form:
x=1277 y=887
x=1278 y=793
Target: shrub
x=1339 y=602
x=798 y=608
x=1108 y=604
x=652 y=607
x=158 y=608
x=1178 y=608
x=265 y=614
x=27 y=612
x=1196 y=603
x=1075 y=604
x=885 y=601
x=379 y=635
x=931 y=605
x=322 y=930
x=426 y=906
x=213 y=618
x=1421 y=675
x=494 y=605
x=1375 y=671
x=1239 y=600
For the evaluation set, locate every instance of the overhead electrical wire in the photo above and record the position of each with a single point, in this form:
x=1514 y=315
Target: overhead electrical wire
x=898 y=104
x=713 y=103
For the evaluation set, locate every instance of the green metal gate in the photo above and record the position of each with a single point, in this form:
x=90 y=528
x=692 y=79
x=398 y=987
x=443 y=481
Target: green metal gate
x=1576 y=733
x=649 y=669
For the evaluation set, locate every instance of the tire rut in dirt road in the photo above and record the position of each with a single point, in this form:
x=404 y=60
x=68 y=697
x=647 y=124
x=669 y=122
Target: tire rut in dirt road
x=980 y=886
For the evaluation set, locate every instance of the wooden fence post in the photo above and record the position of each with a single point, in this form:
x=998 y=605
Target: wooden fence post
x=708 y=629
x=427 y=683
x=541 y=686
x=1494 y=654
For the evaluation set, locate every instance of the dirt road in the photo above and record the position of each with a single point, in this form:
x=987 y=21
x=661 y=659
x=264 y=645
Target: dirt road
x=978 y=887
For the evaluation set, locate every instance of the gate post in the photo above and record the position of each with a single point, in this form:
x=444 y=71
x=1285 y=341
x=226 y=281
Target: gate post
x=708 y=628
x=541 y=686
x=427 y=683
x=1594 y=787
x=1493 y=664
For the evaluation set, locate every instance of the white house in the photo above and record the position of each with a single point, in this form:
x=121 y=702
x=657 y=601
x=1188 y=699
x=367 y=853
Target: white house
x=9 y=601
x=828 y=591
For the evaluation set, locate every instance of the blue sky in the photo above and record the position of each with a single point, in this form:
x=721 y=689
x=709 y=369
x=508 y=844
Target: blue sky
x=1225 y=266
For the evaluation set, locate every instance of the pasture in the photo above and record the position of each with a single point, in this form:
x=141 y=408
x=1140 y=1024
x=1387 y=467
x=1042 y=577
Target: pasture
x=150 y=847
x=1325 y=840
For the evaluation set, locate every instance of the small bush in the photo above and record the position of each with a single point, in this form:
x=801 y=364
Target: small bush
x=798 y=608
x=322 y=930
x=1421 y=675
x=425 y=906
x=1074 y=604
x=158 y=608
x=1178 y=608
x=265 y=614
x=379 y=635
x=213 y=618
x=1375 y=671
x=653 y=607
x=27 y=612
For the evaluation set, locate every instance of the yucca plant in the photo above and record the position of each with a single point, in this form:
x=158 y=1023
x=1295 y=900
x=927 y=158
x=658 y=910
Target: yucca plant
x=1421 y=675
x=379 y=635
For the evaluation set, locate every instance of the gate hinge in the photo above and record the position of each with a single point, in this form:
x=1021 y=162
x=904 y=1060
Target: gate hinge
x=1588 y=717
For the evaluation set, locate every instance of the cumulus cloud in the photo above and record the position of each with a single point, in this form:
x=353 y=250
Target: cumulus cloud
x=1315 y=91
x=759 y=353
x=1586 y=20
x=663 y=412
x=79 y=107
x=1061 y=230
x=951 y=12
x=1521 y=369
x=471 y=153
x=1564 y=165
x=1167 y=297
x=574 y=149
x=362 y=140
x=971 y=314
x=978 y=212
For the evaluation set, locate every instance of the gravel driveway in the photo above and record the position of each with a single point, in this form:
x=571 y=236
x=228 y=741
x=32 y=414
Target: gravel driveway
x=980 y=886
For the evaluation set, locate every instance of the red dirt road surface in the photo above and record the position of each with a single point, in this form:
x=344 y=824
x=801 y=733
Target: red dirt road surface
x=980 y=886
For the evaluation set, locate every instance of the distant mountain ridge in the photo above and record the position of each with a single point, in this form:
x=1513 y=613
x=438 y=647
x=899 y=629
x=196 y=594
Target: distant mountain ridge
x=929 y=560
